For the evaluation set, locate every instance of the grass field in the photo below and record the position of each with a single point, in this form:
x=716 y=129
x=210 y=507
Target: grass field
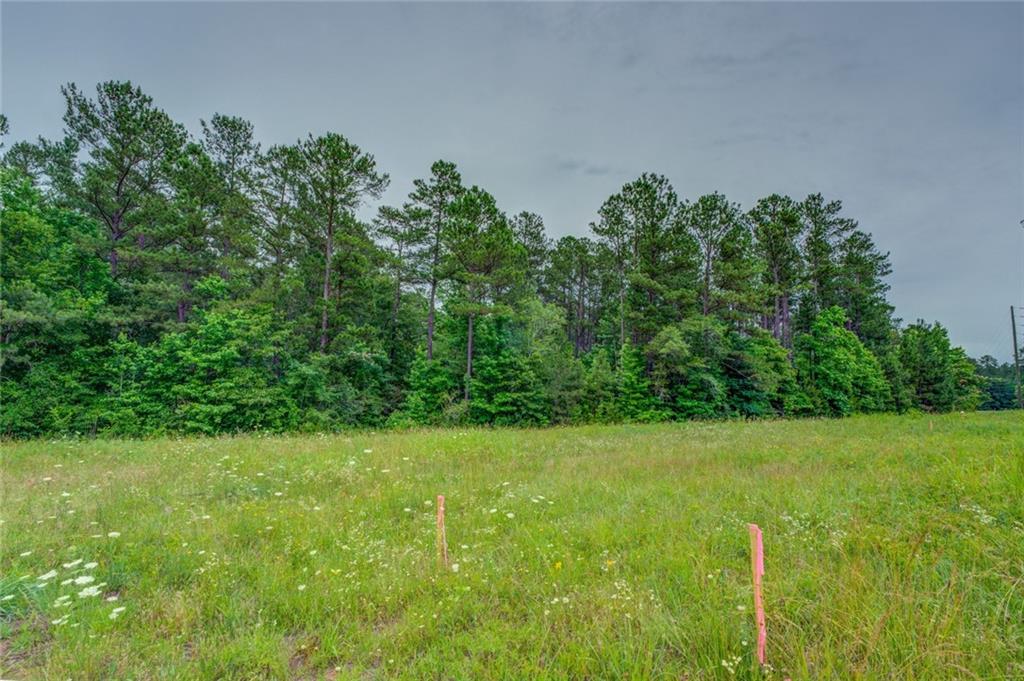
x=894 y=549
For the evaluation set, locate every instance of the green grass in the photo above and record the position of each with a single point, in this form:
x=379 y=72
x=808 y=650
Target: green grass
x=894 y=549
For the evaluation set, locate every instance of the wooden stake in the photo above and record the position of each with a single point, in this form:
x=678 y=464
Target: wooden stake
x=757 y=568
x=442 y=538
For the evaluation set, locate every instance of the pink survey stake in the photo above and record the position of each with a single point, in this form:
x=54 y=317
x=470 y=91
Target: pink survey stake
x=757 y=567
x=442 y=536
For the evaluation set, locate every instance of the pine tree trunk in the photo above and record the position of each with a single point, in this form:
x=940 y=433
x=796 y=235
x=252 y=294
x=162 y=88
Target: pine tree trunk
x=184 y=307
x=787 y=339
x=469 y=356
x=706 y=293
x=328 y=257
x=398 y=295
x=622 y=315
x=430 y=318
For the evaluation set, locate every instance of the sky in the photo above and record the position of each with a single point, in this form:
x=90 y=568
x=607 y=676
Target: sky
x=912 y=114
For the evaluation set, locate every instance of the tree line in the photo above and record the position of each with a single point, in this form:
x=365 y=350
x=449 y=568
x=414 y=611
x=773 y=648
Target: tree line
x=160 y=281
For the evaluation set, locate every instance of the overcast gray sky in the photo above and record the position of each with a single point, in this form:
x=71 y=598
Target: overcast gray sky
x=911 y=114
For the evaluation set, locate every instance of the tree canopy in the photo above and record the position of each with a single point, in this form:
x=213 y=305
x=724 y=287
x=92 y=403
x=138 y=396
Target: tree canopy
x=158 y=281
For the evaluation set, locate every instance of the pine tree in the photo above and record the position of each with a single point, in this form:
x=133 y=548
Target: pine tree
x=435 y=196
x=333 y=176
x=840 y=374
x=635 y=402
x=484 y=262
x=777 y=232
x=128 y=145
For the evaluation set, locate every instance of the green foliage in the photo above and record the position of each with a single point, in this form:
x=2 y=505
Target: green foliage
x=687 y=360
x=997 y=383
x=224 y=373
x=599 y=389
x=431 y=391
x=762 y=380
x=840 y=375
x=155 y=282
x=281 y=558
x=634 y=399
x=505 y=389
x=940 y=377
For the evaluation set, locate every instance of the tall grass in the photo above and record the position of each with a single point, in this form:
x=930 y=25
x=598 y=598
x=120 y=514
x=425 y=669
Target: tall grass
x=894 y=549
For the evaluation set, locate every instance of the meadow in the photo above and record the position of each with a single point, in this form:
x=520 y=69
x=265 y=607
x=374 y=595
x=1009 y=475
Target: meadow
x=894 y=549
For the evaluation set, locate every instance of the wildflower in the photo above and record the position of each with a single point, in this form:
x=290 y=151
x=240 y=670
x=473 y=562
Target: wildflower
x=89 y=591
x=84 y=579
x=111 y=599
x=113 y=535
x=302 y=587
x=72 y=564
x=90 y=566
x=49 y=575
x=455 y=567
x=25 y=553
x=7 y=598
x=367 y=451
x=558 y=565
x=115 y=612
x=510 y=515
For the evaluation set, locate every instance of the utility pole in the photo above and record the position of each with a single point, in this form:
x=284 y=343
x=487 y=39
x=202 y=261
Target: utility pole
x=1016 y=357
